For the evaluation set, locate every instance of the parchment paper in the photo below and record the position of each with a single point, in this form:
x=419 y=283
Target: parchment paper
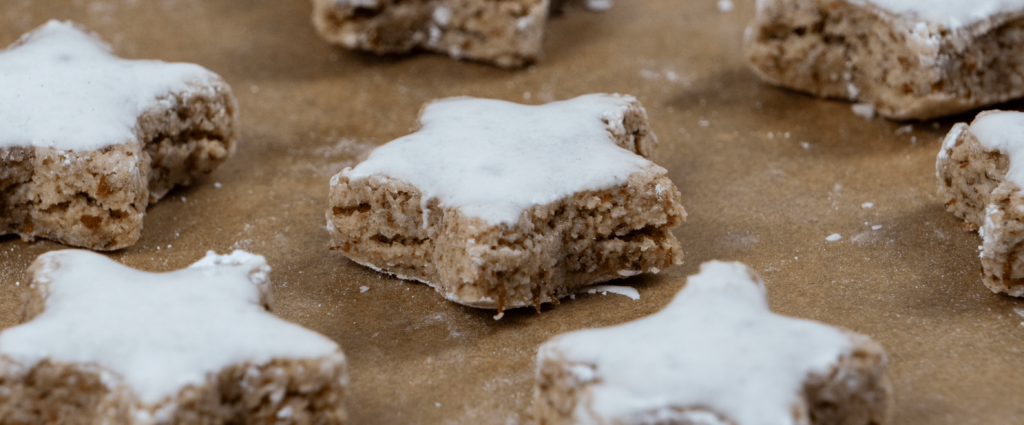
x=766 y=175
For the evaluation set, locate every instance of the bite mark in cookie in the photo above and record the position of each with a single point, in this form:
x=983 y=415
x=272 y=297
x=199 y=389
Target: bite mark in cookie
x=501 y=205
x=908 y=59
x=980 y=171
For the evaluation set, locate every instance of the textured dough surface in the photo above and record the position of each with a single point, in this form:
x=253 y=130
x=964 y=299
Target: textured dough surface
x=716 y=355
x=44 y=380
x=905 y=67
x=506 y=33
x=972 y=182
x=96 y=197
x=585 y=237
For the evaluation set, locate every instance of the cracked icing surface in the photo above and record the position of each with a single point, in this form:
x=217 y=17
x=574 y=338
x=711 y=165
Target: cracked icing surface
x=157 y=332
x=493 y=159
x=715 y=346
x=62 y=88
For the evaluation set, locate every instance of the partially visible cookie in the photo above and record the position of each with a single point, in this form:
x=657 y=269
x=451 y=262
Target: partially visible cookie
x=500 y=205
x=506 y=33
x=908 y=59
x=980 y=172
x=89 y=140
x=102 y=343
x=716 y=355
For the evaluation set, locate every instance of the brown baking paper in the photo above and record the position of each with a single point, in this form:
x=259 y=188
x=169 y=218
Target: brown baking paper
x=766 y=175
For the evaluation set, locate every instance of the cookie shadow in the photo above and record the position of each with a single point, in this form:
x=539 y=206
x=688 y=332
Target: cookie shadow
x=745 y=103
x=947 y=281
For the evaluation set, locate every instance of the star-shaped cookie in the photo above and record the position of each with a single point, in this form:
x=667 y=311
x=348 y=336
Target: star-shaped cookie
x=980 y=171
x=508 y=33
x=89 y=140
x=715 y=355
x=104 y=343
x=904 y=59
x=500 y=205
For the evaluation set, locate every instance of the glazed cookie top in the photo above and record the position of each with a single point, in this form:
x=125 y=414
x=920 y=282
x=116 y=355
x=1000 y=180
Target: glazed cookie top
x=156 y=332
x=951 y=13
x=715 y=346
x=1000 y=131
x=492 y=159
x=61 y=87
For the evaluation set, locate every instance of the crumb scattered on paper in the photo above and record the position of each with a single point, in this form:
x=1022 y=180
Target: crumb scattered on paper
x=866 y=110
x=630 y=292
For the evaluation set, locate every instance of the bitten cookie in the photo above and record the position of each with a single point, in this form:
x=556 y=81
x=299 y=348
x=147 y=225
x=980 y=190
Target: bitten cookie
x=716 y=355
x=89 y=140
x=506 y=33
x=980 y=172
x=102 y=343
x=909 y=59
x=500 y=205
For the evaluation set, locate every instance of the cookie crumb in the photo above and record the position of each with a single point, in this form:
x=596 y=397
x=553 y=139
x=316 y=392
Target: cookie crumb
x=626 y=291
x=865 y=110
x=834 y=237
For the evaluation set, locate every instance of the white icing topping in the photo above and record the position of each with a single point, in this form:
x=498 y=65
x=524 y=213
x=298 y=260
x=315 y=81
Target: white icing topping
x=1000 y=131
x=62 y=88
x=598 y=5
x=493 y=159
x=951 y=13
x=627 y=291
x=158 y=332
x=716 y=346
